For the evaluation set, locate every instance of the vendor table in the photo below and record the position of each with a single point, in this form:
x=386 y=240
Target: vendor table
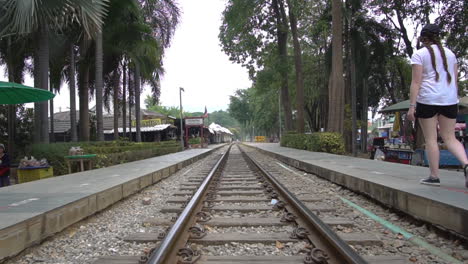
x=398 y=155
x=81 y=159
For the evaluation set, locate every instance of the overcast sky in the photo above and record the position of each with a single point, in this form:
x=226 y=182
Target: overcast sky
x=194 y=61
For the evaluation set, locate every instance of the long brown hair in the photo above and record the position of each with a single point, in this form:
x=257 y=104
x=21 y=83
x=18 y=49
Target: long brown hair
x=428 y=39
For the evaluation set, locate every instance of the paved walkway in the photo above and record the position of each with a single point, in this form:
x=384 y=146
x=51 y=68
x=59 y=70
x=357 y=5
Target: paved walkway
x=396 y=185
x=31 y=211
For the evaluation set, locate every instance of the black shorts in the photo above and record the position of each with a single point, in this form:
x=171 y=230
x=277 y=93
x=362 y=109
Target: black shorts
x=428 y=111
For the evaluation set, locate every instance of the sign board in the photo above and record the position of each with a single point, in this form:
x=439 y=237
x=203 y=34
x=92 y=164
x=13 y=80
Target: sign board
x=260 y=139
x=148 y=122
x=194 y=121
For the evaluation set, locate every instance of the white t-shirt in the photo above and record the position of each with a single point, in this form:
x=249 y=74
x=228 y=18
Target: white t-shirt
x=434 y=92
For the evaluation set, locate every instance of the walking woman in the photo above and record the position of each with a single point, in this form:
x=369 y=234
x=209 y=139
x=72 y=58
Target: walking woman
x=4 y=167
x=434 y=99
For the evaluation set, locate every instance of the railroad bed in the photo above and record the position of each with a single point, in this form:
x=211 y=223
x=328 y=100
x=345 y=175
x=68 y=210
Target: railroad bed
x=240 y=206
x=242 y=216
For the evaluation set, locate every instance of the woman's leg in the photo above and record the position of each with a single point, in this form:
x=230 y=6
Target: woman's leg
x=447 y=132
x=429 y=128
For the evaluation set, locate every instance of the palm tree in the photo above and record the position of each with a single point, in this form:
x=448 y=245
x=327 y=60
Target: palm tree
x=39 y=17
x=141 y=46
x=99 y=86
x=71 y=84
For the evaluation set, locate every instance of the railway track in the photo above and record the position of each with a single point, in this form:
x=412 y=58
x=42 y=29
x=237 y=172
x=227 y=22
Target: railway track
x=238 y=204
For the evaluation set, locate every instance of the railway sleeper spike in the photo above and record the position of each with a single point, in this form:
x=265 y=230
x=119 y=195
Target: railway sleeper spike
x=288 y=217
x=197 y=232
x=161 y=235
x=316 y=256
x=144 y=259
x=299 y=233
x=188 y=256
x=266 y=184
x=273 y=195
x=269 y=189
x=203 y=217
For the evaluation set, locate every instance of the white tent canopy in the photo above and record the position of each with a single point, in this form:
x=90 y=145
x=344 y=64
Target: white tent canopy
x=217 y=129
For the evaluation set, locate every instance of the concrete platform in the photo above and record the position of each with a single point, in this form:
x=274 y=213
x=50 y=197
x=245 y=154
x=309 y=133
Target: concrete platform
x=396 y=185
x=32 y=211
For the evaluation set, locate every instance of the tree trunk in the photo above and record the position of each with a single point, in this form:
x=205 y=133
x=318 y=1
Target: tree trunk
x=298 y=66
x=73 y=131
x=116 y=103
x=83 y=91
x=130 y=94
x=137 y=102
x=336 y=94
x=282 y=39
x=11 y=114
x=44 y=81
x=124 y=100
x=353 y=98
x=99 y=88
x=365 y=106
x=51 y=106
x=37 y=105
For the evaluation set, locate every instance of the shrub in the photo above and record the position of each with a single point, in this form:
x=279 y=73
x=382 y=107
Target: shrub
x=194 y=141
x=108 y=152
x=321 y=142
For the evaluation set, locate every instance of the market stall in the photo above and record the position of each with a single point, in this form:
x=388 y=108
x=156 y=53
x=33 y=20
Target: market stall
x=404 y=143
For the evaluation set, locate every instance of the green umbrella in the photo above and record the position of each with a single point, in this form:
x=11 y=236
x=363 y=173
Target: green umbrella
x=14 y=93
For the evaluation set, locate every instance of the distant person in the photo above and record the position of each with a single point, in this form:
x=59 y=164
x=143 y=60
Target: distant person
x=4 y=167
x=434 y=99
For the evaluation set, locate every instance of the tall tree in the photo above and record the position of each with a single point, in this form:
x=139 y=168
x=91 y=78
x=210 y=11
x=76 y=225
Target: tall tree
x=268 y=21
x=336 y=83
x=293 y=9
x=282 y=39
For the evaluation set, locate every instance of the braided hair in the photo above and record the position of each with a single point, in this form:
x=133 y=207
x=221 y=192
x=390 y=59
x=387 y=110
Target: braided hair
x=429 y=37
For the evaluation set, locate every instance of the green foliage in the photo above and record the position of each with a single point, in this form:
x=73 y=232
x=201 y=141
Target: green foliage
x=108 y=152
x=194 y=141
x=223 y=118
x=319 y=142
x=23 y=124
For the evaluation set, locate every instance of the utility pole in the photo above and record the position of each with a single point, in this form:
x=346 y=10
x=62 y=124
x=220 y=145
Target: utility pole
x=181 y=118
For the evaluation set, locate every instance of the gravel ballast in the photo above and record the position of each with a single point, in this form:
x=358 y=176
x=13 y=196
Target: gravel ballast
x=300 y=182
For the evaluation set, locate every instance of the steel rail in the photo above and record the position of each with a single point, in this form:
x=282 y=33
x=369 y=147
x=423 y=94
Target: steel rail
x=334 y=241
x=162 y=253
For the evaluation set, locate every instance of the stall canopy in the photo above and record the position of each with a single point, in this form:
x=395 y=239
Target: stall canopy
x=401 y=106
